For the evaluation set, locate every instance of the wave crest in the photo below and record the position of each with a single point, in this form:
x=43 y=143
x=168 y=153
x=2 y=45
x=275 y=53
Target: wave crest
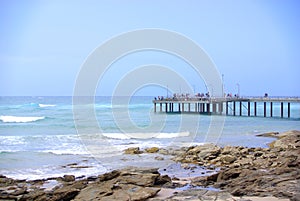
x=46 y=105
x=16 y=119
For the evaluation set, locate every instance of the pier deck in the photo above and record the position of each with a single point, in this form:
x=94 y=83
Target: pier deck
x=243 y=106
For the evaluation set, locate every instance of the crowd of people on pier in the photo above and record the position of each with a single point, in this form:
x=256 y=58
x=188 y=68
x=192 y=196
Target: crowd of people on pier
x=187 y=96
x=199 y=96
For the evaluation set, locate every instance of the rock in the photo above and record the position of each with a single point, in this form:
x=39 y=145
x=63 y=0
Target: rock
x=139 y=179
x=68 y=178
x=163 y=180
x=109 y=175
x=4 y=181
x=139 y=170
x=127 y=184
x=132 y=150
x=66 y=193
x=19 y=191
x=62 y=192
x=159 y=158
x=110 y=192
x=37 y=195
x=209 y=153
x=202 y=194
x=152 y=150
x=227 y=159
x=268 y=134
x=287 y=140
x=163 y=151
x=228 y=174
x=92 y=178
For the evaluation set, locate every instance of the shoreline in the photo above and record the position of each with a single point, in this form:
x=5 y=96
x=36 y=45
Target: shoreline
x=230 y=173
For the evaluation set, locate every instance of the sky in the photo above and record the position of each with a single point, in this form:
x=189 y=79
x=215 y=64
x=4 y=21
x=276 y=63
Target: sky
x=253 y=43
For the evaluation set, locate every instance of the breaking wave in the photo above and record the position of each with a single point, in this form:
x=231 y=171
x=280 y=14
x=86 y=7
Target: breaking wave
x=46 y=105
x=16 y=119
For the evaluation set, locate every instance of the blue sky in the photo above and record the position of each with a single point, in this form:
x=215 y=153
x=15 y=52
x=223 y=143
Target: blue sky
x=253 y=43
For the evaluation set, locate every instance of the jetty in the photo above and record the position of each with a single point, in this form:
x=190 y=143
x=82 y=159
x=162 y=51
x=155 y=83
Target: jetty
x=234 y=106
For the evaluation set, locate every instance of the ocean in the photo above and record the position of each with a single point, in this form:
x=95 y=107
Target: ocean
x=41 y=137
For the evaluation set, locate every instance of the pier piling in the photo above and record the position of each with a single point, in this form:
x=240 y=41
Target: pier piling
x=249 y=109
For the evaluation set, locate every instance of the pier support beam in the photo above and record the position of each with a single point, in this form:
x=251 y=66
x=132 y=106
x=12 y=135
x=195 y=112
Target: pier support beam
x=196 y=107
x=202 y=107
x=255 y=109
x=241 y=108
x=189 y=107
x=265 y=109
x=249 y=109
x=179 y=110
x=208 y=107
x=182 y=107
x=154 y=107
x=281 y=109
x=160 y=107
x=214 y=108
x=221 y=108
x=233 y=108
x=271 y=109
x=226 y=108
x=289 y=109
x=166 y=107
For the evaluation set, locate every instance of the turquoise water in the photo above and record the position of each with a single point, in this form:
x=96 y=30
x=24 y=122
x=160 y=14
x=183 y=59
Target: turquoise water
x=39 y=137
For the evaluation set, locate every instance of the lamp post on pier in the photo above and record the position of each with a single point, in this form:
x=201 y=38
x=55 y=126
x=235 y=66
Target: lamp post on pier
x=167 y=91
x=222 y=85
x=238 y=86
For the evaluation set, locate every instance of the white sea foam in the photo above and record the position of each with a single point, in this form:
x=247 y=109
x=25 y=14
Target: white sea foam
x=123 y=136
x=54 y=171
x=16 y=119
x=71 y=151
x=46 y=105
x=12 y=140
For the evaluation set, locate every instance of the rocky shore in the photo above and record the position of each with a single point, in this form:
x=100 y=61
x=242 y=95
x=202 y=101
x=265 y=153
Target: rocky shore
x=209 y=172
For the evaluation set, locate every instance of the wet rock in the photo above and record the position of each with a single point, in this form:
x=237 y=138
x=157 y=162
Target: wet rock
x=269 y=134
x=159 y=158
x=133 y=150
x=68 y=178
x=4 y=181
x=92 y=178
x=163 y=180
x=152 y=150
x=163 y=151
